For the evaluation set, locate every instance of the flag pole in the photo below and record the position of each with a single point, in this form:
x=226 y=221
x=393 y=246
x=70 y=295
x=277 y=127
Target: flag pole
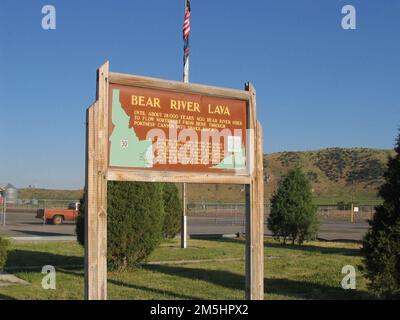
x=185 y=80
x=186 y=34
x=186 y=71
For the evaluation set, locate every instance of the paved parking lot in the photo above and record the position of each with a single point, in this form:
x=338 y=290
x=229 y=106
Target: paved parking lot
x=21 y=224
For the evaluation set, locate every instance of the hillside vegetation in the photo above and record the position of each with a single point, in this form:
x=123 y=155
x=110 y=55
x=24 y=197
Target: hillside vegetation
x=335 y=173
x=49 y=194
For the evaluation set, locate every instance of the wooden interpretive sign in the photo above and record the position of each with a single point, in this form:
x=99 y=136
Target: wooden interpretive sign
x=160 y=130
x=152 y=130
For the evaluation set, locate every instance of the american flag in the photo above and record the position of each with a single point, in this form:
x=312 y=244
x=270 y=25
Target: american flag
x=186 y=30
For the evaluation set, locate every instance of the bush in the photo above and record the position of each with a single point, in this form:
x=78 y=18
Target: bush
x=3 y=252
x=172 y=209
x=381 y=245
x=135 y=222
x=293 y=215
x=80 y=222
x=343 y=206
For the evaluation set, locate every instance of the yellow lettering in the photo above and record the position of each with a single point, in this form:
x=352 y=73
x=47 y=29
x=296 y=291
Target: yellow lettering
x=184 y=105
x=173 y=104
x=219 y=109
x=149 y=102
x=143 y=101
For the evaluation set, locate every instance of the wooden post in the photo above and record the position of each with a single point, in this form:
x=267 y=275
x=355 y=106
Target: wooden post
x=96 y=192
x=90 y=208
x=255 y=208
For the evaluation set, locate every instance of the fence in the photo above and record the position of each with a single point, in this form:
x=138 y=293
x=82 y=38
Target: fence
x=365 y=212
x=234 y=212
x=33 y=205
x=219 y=209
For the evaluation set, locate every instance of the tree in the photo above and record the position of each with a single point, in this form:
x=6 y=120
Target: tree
x=135 y=214
x=293 y=215
x=381 y=245
x=172 y=209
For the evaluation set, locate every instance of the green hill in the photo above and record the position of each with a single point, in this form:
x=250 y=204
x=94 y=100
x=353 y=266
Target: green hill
x=336 y=174
x=49 y=194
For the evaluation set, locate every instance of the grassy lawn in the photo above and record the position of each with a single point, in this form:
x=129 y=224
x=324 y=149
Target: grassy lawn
x=312 y=271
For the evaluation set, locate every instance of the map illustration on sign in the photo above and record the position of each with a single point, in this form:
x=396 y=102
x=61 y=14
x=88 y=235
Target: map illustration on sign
x=172 y=131
x=126 y=150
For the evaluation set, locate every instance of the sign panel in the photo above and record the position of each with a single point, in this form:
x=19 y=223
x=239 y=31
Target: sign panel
x=161 y=130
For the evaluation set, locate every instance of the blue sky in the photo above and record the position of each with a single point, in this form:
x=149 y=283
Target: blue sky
x=317 y=85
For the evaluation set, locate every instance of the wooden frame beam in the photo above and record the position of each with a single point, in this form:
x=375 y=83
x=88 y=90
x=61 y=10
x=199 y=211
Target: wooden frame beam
x=177 y=86
x=174 y=177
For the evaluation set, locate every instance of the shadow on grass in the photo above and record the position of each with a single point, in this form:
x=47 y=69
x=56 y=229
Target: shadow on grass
x=219 y=277
x=285 y=287
x=223 y=240
x=4 y=297
x=43 y=233
x=315 y=249
x=309 y=290
x=167 y=293
x=304 y=247
x=290 y=288
x=25 y=258
x=123 y=284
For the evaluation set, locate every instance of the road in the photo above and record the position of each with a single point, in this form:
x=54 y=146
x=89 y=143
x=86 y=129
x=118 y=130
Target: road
x=328 y=230
x=23 y=224
x=20 y=224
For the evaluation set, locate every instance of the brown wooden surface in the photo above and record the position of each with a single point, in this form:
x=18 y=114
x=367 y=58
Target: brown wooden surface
x=102 y=165
x=175 y=177
x=258 y=221
x=96 y=186
x=146 y=82
x=90 y=208
x=255 y=209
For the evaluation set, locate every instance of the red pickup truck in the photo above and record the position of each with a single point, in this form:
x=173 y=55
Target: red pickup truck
x=58 y=216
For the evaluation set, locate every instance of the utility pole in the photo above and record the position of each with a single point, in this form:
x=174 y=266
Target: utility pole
x=352 y=202
x=4 y=210
x=352 y=210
